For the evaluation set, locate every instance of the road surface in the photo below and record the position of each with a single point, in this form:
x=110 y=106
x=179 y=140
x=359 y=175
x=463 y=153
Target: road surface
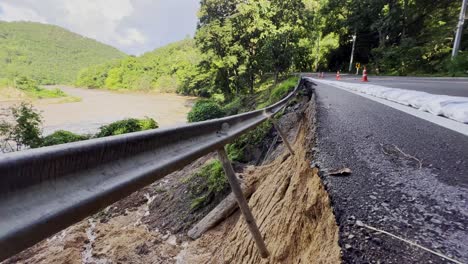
x=410 y=176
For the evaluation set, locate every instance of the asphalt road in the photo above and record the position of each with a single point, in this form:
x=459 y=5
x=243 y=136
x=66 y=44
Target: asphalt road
x=409 y=177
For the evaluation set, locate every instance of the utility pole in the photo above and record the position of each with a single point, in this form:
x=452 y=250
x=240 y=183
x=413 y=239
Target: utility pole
x=318 y=52
x=352 y=52
x=461 y=21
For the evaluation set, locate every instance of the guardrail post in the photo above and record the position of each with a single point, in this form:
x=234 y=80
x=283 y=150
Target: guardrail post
x=282 y=135
x=244 y=207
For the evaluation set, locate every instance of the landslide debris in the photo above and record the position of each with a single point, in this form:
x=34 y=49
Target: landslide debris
x=292 y=209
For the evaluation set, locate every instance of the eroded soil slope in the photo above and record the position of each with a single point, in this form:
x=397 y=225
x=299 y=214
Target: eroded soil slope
x=292 y=210
x=290 y=204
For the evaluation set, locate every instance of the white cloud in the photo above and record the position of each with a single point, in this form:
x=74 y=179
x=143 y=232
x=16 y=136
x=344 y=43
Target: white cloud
x=131 y=37
x=134 y=26
x=13 y=13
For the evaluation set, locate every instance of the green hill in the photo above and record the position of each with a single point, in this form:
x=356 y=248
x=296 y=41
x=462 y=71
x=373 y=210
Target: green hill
x=47 y=53
x=165 y=69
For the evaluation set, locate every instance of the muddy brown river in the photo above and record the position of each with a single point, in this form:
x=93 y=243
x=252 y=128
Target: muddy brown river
x=99 y=107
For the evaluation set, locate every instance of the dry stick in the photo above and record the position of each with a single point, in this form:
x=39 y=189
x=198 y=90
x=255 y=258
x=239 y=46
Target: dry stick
x=270 y=149
x=412 y=243
x=409 y=156
x=236 y=189
x=404 y=154
x=283 y=136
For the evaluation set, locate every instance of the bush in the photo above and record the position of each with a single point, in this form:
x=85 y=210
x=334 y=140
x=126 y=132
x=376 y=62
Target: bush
x=278 y=92
x=32 y=89
x=24 y=131
x=234 y=107
x=459 y=65
x=239 y=148
x=127 y=126
x=147 y=123
x=208 y=182
x=282 y=89
x=26 y=84
x=62 y=137
x=205 y=110
x=4 y=82
x=45 y=93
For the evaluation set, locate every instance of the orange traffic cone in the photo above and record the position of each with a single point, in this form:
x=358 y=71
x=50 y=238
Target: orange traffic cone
x=338 y=77
x=364 y=75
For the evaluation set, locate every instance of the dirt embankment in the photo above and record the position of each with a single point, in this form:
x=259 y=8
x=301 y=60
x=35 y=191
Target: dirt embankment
x=292 y=210
x=290 y=205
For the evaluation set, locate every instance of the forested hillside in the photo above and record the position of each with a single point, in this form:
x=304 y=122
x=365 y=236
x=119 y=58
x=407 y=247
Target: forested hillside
x=165 y=69
x=48 y=54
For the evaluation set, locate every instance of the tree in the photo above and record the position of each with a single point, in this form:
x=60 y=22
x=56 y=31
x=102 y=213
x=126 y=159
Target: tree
x=24 y=131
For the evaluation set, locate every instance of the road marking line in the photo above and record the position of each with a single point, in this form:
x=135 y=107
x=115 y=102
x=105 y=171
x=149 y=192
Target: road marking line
x=438 y=120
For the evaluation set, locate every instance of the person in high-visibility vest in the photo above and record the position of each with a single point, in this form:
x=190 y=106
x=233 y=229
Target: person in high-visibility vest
x=364 y=74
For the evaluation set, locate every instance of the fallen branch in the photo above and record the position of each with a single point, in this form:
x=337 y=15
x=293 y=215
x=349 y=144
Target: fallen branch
x=219 y=213
x=420 y=161
x=408 y=242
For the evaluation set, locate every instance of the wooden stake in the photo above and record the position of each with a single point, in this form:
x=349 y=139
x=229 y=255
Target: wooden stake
x=237 y=191
x=283 y=136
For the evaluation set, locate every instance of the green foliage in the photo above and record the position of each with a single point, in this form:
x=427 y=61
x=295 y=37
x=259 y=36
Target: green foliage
x=234 y=107
x=242 y=40
x=459 y=65
x=394 y=37
x=167 y=69
x=48 y=54
x=31 y=88
x=278 y=92
x=45 y=93
x=147 y=123
x=5 y=82
x=206 y=183
x=127 y=126
x=282 y=89
x=94 y=76
x=237 y=151
x=24 y=131
x=204 y=110
x=26 y=84
x=62 y=137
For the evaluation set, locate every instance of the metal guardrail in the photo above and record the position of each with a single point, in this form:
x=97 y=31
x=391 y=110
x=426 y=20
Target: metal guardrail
x=45 y=190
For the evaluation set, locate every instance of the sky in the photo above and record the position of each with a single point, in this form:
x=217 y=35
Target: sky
x=133 y=26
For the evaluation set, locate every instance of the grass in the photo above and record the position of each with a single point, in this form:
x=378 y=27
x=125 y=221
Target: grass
x=206 y=183
x=10 y=93
x=41 y=93
x=278 y=92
